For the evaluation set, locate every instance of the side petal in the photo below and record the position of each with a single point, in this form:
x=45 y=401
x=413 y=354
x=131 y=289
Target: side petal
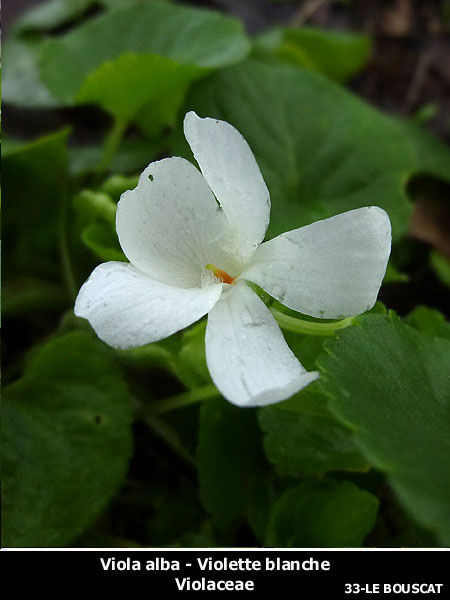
x=330 y=269
x=126 y=308
x=247 y=355
x=170 y=225
x=229 y=167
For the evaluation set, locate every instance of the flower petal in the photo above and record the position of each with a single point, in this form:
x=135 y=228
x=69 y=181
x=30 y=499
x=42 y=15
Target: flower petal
x=230 y=168
x=247 y=355
x=331 y=269
x=170 y=225
x=127 y=308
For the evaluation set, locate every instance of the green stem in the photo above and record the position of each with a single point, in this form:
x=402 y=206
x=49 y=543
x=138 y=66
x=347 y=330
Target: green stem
x=165 y=432
x=66 y=262
x=112 y=143
x=309 y=327
x=161 y=428
x=187 y=398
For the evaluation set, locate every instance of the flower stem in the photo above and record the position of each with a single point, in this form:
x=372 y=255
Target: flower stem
x=309 y=327
x=64 y=250
x=187 y=398
x=112 y=143
x=166 y=433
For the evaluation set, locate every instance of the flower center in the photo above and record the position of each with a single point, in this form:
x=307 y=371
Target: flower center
x=222 y=275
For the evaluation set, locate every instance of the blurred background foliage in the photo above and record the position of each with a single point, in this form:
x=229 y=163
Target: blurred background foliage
x=345 y=104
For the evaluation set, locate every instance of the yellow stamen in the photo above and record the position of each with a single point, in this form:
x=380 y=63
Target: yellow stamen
x=222 y=275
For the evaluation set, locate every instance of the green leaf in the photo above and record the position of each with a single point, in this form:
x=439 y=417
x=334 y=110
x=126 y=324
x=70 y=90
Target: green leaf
x=92 y=539
x=66 y=442
x=133 y=155
x=52 y=14
x=97 y=211
x=125 y=85
x=305 y=347
x=231 y=466
x=174 y=515
x=201 y=539
x=337 y=55
x=25 y=296
x=183 y=355
x=321 y=150
x=322 y=514
x=102 y=240
x=425 y=113
x=118 y=4
x=390 y=384
x=430 y=155
x=157 y=354
x=191 y=364
x=441 y=266
x=311 y=401
x=189 y=36
x=35 y=180
x=429 y=322
x=93 y=205
x=393 y=275
x=21 y=80
x=304 y=444
x=117 y=184
x=162 y=111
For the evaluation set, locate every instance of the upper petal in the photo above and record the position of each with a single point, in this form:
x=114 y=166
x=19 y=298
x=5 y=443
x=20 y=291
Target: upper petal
x=127 y=308
x=229 y=167
x=247 y=355
x=170 y=225
x=331 y=269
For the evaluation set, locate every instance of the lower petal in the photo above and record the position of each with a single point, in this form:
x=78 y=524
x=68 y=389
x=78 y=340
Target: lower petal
x=247 y=355
x=127 y=308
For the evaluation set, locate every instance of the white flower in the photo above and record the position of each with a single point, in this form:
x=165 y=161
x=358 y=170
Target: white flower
x=191 y=254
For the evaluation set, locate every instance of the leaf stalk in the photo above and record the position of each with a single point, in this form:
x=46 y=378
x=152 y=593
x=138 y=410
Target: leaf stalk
x=300 y=326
